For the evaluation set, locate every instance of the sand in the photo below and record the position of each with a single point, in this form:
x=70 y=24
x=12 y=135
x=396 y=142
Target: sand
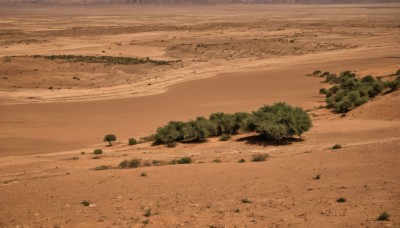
x=233 y=58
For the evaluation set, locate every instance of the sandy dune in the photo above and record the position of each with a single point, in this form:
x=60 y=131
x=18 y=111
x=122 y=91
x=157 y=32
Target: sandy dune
x=233 y=58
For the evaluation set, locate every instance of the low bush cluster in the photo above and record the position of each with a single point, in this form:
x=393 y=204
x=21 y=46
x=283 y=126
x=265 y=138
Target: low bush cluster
x=277 y=122
x=349 y=92
x=105 y=59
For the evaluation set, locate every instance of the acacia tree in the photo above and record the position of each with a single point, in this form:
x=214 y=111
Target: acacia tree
x=110 y=138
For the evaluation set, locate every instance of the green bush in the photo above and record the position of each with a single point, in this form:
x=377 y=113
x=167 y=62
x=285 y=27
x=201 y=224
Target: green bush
x=110 y=138
x=98 y=151
x=341 y=200
x=133 y=163
x=132 y=141
x=260 y=157
x=383 y=217
x=224 y=137
x=172 y=132
x=336 y=146
x=196 y=131
x=279 y=122
x=184 y=160
x=351 y=92
x=102 y=167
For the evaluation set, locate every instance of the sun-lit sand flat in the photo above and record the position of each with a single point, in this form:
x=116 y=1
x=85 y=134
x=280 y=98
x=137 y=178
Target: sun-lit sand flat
x=71 y=73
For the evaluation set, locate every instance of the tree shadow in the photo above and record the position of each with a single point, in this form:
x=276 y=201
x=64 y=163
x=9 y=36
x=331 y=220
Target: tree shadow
x=260 y=141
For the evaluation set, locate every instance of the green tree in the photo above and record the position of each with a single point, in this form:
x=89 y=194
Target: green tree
x=110 y=138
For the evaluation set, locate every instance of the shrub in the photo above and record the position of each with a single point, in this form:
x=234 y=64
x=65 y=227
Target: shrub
x=170 y=133
x=260 y=157
x=143 y=174
x=147 y=213
x=196 y=131
x=323 y=91
x=317 y=72
x=383 y=217
x=278 y=122
x=156 y=162
x=102 y=167
x=85 y=203
x=336 y=146
x=224 y=137
x=393 y=85
x=245 y=200
x=133 y=163
x=217 y=160
x=98 y=151
x=184 y=160
x=132 y=141
x=109 y=138
x=147 y=163
x=317 y=177
x=242 y=160
x=341 y=200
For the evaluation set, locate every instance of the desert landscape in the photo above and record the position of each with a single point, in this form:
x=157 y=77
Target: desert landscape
x=72 y=73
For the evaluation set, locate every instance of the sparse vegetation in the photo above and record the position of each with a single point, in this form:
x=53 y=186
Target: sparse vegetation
x=217 y=160
x=349 y=92
x=97 y=151
x=274 y=123
x=383 y=217
x=242 y=160
x=132 y=142
x=260 y=157
x=110 y=138
x=102 y=167
x=224 y=137
x=85 y=203
x=317 y=177
x=147 y=212
x=105 y=59
x=133 y=163
x=341 y=200
x=245 y=200
x=184 y=160
x=278 y=122
x=336 y=146
x=143 y=174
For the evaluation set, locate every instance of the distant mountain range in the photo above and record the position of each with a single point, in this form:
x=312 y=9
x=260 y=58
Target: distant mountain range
x=179 y=2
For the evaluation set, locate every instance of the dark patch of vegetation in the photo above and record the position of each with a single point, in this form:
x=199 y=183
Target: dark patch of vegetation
x=146 y=221
x=98 y=151
x=245 y=200
x=102 y=167
x=133 y=163
x=349 y=92
x=147 y=212
x=341 y=200
x=276 y=123
x=217 y=160
x=147 y=163
x=156 y=162
x=260 y=157
x=143 y=174
x=224 y=137
x=85 y=203
x=83 y=153
x=132 y=142
x=383 y=217
x=110 y=138
x=184 y=160
x=317 y=177
x=242 y=160
x=336 y=146
x=106 y=59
